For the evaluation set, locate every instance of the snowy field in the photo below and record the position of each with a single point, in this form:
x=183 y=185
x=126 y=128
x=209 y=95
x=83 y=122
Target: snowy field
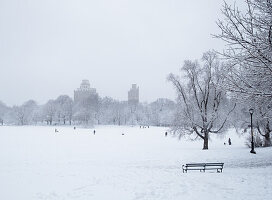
x=37 y=163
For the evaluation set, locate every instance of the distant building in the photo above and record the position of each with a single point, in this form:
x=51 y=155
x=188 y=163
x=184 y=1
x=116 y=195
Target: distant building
x=84 y=92
x=133 y=95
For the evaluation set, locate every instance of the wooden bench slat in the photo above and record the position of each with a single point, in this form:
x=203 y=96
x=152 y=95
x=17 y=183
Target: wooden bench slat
x=203 y=166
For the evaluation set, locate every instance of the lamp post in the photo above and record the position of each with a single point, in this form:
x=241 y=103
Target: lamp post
x=252 y=139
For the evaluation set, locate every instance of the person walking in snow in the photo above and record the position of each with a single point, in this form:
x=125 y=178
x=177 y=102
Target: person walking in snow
x=94 y=132
x=229 y=141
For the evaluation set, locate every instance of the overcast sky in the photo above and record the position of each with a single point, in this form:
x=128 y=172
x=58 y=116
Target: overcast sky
x=48 y=46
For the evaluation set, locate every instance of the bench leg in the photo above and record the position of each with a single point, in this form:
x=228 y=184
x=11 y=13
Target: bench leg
x=219 y=170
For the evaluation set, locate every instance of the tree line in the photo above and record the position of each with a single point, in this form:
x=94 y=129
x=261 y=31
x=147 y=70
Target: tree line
x=88 y=112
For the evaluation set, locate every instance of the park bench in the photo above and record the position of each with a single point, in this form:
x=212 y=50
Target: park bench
x=203 y=167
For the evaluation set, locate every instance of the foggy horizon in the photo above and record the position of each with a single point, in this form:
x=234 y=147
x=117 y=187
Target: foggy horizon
x=48 y=48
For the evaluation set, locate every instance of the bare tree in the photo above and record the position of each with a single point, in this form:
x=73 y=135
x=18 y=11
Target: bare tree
x=85 y=110
x=162 y=112
x=20 y=115
x=264 y=129
x=64 y=105
x=248 y=36
x=24 y=114
x=201 y=99
x=249 y=53
x=50 y=109
x=262 y=121
x=3 y=110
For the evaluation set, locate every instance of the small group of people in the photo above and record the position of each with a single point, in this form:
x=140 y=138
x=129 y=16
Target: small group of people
x=144 y=126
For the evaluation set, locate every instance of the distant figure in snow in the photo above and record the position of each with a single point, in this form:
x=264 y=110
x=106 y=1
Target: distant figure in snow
x=147 y=126
x=229 y=141
x=224 y=143
x=74 y=128
x=94 y=132
x=165 y=134
x=56 y=131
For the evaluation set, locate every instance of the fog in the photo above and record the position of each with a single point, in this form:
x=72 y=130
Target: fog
x=48 y=47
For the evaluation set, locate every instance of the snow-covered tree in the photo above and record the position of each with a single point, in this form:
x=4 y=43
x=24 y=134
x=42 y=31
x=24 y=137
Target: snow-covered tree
x=200 y=98
x=37 y=115
x=264 y=126
x=118 y=113
x=248 y=35
x=64 y=106
x=161 y=112
x=23 y=115
x=105 y=113
x=30 y=108
x=249 y=53
x=85 y=110
x=49 y=110
x=3 y=111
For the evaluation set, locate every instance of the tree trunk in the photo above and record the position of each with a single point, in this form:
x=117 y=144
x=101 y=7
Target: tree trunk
x=267 y=141
x=206 y=141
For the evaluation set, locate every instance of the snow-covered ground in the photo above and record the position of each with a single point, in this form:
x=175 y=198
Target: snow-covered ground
x=37 y=163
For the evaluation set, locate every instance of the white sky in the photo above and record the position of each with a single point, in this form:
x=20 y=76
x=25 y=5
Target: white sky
x=48 y=46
